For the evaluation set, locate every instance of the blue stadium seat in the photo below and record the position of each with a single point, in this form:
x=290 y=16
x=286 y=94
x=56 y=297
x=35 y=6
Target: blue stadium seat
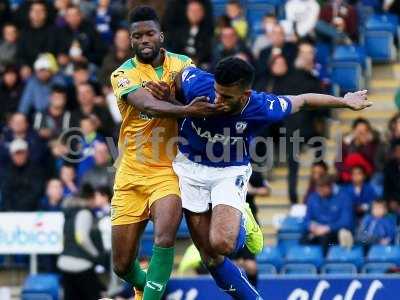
x=347 y=75
x=383 y=22
x=338 y=254
x=377 y=268
x=323 y=53
x=271 y=255
x=41 y=287
x=292 y=225
x=339 y=268
x=352 y=53
x=387 y=254
x=379 y=45
x=266 y=269
x=305 y=254
x=287 y=241
x=299 y=269
x=219 y=7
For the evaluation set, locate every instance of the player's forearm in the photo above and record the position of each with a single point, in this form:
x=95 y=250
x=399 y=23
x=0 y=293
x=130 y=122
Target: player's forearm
x=312 y=101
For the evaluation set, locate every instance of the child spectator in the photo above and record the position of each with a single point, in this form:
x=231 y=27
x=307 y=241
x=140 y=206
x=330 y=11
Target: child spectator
x=377 y=228
x=318 y=170
x=8 y=46
x=54 y=196
x=360 y=191
x=89 y=139
x=235 y=14
x=68 y=179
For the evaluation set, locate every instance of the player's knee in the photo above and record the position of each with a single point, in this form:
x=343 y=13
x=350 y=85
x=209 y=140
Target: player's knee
x=164 y=240
x=121 y=266
x=222 y=244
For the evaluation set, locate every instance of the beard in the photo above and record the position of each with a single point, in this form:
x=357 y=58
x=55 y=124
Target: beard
x=148 y=57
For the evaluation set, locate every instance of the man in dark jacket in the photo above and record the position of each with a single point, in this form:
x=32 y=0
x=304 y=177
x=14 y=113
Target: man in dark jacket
x=38 y=37
x=79 y=38
x=23 y=182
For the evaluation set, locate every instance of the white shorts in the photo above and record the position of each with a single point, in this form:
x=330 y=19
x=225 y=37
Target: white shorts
x=202 y=185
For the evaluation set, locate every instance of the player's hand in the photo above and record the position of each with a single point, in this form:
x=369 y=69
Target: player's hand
x=160 y=90
x=357 y=100
x=200 y=108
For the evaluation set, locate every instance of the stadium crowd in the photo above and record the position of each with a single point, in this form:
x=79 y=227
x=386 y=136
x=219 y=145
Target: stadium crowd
x=56 y=58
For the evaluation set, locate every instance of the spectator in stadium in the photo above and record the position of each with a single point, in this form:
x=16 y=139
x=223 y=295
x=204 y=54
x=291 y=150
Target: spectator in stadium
x=106 y=20
x=68 y=179
x=234 y=12
x=328 y=213
x=54 y=196
x=391 y=6
x=8 y=46
x=278 y=47
x=303 y=16
x=23 y=181
x=18 y=128
x=175 y=16
x=360 y=191
x=10 y=93
x=361 y=146
x=319 y=169
x=119 y=52
x=83 y=248
x=229 y=45
x=5 y=13
x=194 y=39
x=37 y=91
x=377 y=227
x=38 y=37
x=61 y=7
x=391 y=174
x=88 y=107
x=99 y=175
x=342 y=19
x=264 y=40
x=79 y=38
x=394 y=128
x=52 y=122
x=90 y=138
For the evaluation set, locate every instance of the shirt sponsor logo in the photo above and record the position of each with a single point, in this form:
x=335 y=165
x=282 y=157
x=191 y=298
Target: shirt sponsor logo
x=240 y=127
x=123 y=82
x=154 y=286
x=224 y=139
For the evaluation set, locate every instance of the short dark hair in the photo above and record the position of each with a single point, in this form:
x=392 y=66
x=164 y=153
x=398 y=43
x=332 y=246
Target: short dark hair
x=232 y=71
x=380 y=201
x=321 y=164
x=143 y=13
x=58 y=88
x=359 y=121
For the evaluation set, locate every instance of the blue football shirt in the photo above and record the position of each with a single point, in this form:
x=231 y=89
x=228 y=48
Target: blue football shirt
x=225 y=140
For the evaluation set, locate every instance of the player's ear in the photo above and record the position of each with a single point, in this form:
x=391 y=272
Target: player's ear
x=162 y=37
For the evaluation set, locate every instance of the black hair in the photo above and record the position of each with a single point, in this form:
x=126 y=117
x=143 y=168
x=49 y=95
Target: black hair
x=395 y=143
x=321 y=164
x=143 y=13
x=380 y=201
x=235 y=2
x=359 y=121
x=80 y=65
x=104 y=190
x=86 y=191
x=233 y=70
x=57 y=88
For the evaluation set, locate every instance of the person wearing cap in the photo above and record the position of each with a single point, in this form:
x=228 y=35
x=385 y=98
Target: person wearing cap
x=23 y=182
x=327 y=214
x=38 y=88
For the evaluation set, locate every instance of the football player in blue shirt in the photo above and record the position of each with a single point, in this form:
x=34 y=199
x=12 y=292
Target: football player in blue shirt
x=213 y=163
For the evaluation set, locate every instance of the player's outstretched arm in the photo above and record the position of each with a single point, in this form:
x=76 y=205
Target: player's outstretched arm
x=354 y=101
x=146 y=102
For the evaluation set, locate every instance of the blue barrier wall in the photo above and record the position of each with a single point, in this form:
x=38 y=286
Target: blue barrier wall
x=295 y=288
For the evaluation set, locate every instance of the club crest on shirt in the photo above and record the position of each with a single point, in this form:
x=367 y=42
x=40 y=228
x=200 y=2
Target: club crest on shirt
x=240 y=127
x=123 y=82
